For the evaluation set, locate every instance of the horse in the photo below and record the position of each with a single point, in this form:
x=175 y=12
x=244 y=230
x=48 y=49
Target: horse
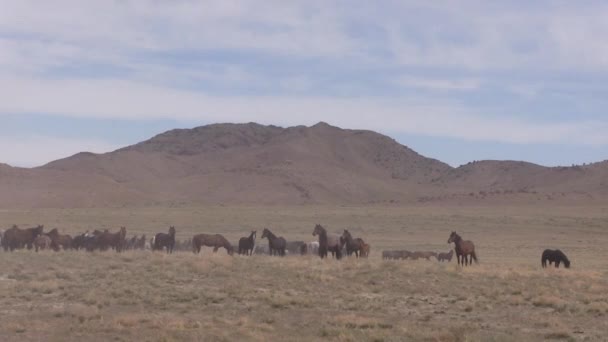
x=295 y=247
x=425 y=255
x=463 y=249
x=216 y=241
x=445 y=256
x=365 y=249
x=163 y=240
x=554 y=256
x=59 y=240
x=115 y=241
x=328 y=242
x=392 y=255
x=140 y=243
x=276 y=245
x=16 y=238
x=312 y=247
x=352 y=245
x=247 y=244
x=42 y=242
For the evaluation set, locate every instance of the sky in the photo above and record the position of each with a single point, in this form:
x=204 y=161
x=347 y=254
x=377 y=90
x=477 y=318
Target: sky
x=454 y=80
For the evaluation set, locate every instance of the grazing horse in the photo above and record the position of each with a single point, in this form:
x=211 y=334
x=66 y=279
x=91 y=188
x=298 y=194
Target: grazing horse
x=216 y=241
x=328 y=242
x=554 y=256
x=276 y=245
x=295 y=247
x=42 y=242
x=16 y=238
x=445 y=256
x=115 y=241
x=247 y=244
x=352 y=245
x=396 y=254
x=163 y=240
x=424 y=255
x=59 y=240
x=463 y=249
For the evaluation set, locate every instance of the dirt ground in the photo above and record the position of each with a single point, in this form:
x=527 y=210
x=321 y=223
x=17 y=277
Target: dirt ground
x=145 y=296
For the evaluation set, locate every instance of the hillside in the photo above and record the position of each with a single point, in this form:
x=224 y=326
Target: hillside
x=256 y=164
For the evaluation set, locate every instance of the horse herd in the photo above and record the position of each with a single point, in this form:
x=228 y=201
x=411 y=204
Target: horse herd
x=335 y=244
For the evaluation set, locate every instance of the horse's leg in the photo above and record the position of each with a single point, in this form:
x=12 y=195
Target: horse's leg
x=557 y=263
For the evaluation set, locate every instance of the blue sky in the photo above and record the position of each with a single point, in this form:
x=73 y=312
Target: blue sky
x=457 y=81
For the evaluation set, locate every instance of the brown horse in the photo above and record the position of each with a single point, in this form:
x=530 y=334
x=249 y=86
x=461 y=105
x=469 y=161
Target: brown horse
x=328 y=242
x=352 y=245
x=463 y=249
x=163 y=240
x=59 y=240
x=216 y=241
x=445 y=256
x=42 y=242
x=115 y=241
x=16 y=238
x=365 y=249
x=246 y=244
x=276 y=244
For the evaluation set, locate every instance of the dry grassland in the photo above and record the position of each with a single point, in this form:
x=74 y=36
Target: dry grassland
x=145 y=296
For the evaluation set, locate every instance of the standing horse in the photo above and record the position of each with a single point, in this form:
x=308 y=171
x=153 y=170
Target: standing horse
x=463 y=249
x=276 y=245
x=247 y=244
x=16 y=238
x=328 y=242
x=352 y=245
x=216 y=241
x=59 y=240
x=42 y=242
x=115 y=241
x=163 y=240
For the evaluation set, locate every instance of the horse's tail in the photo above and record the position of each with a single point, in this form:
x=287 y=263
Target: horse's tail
x=474 y=257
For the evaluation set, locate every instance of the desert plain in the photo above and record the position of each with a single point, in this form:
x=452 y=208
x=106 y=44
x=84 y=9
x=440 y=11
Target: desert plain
x=152 y=296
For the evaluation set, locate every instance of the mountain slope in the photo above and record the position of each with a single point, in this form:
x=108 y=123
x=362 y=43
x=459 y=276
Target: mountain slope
x=256 y=164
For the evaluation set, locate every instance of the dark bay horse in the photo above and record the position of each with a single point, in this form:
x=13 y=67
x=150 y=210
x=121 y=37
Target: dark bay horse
x=16 y=238
x=328 y=242
x=554 y=256
x=59 y=240
x=352 y=245
x=246 y=244
x=463 y=249
x=276 y=245
x=164 y=240
x=115 y=241
x=211 y=240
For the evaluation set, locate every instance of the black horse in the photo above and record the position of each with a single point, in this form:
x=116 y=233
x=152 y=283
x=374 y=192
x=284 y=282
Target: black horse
x=246 y=244
x=554 y=256
x=163 y=240
x=276 y=245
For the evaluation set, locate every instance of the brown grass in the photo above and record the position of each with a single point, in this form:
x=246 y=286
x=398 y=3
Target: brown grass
x=147 y=296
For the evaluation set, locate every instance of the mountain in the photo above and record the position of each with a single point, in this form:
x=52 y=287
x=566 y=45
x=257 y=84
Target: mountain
x=256 y=164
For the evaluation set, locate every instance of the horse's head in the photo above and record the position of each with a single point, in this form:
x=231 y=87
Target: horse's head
x=453 y=237
x=346 y=235
x=123 y=232
x=318 y=230
x=230 y=249
x=172 y=231
x=566 y=262
x=265 y=233
x=253 y=234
